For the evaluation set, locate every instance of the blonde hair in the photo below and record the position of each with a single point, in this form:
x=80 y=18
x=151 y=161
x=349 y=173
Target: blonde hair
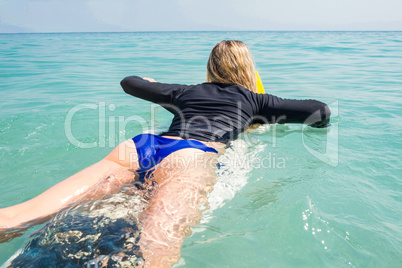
x=230 y=62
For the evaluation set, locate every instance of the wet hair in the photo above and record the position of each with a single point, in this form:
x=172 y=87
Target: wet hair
x=230 y=62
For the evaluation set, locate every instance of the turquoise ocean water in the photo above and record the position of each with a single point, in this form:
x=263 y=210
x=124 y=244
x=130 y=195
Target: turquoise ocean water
x=306 y=197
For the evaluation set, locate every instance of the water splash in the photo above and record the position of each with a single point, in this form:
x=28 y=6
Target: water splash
x=103 y=232
x=232 y=174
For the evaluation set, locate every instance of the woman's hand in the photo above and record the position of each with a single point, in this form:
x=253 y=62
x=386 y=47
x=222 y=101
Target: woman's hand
x=149 y=79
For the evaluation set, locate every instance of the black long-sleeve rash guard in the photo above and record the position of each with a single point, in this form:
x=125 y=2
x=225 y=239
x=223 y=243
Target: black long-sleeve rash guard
x=219 y=112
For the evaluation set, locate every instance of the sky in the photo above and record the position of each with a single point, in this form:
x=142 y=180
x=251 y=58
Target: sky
x=30 y=16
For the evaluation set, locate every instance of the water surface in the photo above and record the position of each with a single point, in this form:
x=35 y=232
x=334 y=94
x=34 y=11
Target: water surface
x=299 y=197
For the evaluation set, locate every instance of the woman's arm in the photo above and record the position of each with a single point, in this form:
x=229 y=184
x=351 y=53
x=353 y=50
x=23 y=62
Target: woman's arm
x=150 y=90
x=278 y=110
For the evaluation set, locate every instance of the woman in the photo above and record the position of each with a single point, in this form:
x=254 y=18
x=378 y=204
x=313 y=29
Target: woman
x=206 y=117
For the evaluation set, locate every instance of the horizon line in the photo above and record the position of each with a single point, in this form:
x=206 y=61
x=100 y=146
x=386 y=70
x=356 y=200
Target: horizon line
x=214 y=31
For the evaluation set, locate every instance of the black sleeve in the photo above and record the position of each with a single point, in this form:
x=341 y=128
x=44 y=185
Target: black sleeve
x=278 y=110
x=155 y=92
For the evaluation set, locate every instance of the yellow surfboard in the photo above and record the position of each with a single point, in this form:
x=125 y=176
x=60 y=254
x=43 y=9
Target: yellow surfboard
x=260 y=87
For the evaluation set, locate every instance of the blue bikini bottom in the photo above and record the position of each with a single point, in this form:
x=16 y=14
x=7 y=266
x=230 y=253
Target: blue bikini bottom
x=152 y=149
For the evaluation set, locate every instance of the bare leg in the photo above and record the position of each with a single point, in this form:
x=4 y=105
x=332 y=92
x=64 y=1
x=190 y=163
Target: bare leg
x=112 y=171
x=183 y=188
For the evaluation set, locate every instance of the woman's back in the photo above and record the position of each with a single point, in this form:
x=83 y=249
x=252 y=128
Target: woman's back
x=218 y=112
